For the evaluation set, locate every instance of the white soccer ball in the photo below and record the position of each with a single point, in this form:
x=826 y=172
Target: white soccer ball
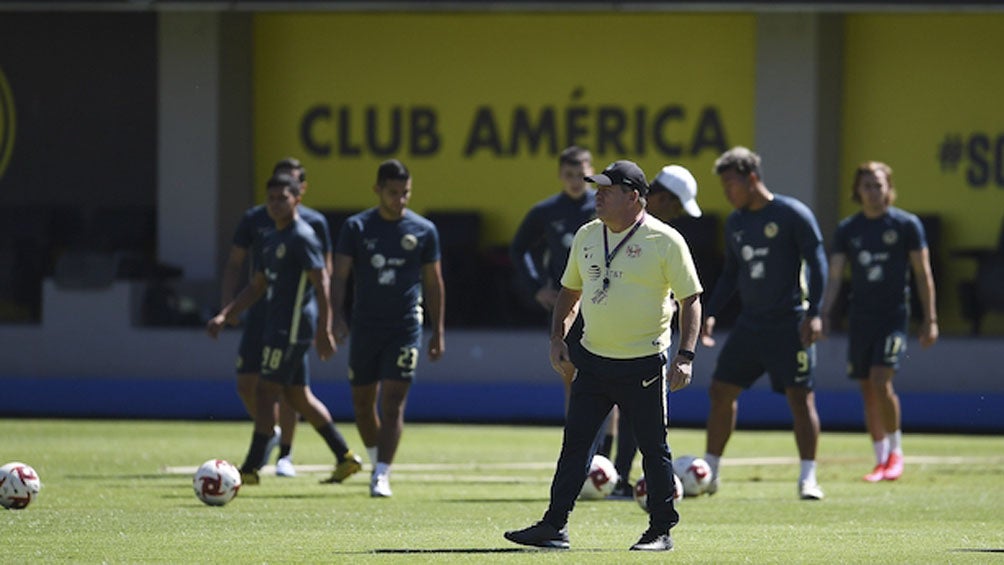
x=641 y=492
x=601 y=480
x=19 y=485
x=216 y=482
x=694 y=473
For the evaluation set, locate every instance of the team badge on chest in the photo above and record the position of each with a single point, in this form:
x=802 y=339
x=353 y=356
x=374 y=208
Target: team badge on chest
x=409 y=242
x=890 y=237
x=280 y=251
x=770 y=230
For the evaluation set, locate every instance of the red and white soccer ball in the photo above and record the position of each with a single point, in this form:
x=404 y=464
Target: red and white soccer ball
x=19 y=485
x=694 y=473
x=216 y=482
x=641 y=492
x=601 y=480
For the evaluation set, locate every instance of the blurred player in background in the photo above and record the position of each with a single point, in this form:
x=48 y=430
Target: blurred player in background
x=772 y=245
x=394 y=256
x=623 y=268
x=671 y=194
x=296 y=314
x=251 y=230
x=881 y=243
x=539 y=251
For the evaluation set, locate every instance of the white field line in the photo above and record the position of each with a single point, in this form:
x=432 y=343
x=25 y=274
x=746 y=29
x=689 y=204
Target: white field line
x=447 y=471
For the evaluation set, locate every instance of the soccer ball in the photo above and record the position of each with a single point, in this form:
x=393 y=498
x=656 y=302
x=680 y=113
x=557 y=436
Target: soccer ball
x=601 y=480
x=216 y=482
x=641 y=492
x=694 y=473
x=19 y=485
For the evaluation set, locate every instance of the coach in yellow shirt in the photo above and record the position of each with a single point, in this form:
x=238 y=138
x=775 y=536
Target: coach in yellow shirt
x=623 y=270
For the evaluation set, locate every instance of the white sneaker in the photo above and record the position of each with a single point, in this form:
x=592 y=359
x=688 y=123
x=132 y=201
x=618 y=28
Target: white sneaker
x=810 y=491
x=284 y=467
x=380 y=486
x=272 y=445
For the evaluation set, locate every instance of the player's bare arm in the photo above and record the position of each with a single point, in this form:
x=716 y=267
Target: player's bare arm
x=920 y=261
x=707 y=329
x=681 y=366
x=231 y=312
x=232 y=273
x=434 y=292
x=565 y=310
x=323 y=340
x=341 y=269
x=833 y=282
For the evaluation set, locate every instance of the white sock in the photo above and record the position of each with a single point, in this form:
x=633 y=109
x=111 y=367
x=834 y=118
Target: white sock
x=713 y=461
x=382 y=469
x=371 y=452
x=881 y=448
x=807 y=473
x=896 y=442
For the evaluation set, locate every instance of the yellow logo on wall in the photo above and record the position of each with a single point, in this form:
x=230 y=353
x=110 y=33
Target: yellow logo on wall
x=7 y=123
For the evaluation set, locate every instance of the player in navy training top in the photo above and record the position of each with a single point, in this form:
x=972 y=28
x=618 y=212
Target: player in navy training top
x=881 y=243
x=292 y=276
x=394 y=256
x=254 y=225
x=773 y=246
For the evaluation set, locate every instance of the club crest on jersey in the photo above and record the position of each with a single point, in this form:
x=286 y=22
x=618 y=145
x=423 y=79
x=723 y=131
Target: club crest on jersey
x=770 y=230
x=890 y=237
x=633 y=251
x=409 y=242
x=280 y=251
x=378 y=261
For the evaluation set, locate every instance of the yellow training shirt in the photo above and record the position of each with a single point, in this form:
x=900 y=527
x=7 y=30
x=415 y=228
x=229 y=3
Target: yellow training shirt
x=631 y=318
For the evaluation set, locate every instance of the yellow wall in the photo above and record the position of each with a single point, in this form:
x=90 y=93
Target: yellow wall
x=913 y=82
x=453 y=66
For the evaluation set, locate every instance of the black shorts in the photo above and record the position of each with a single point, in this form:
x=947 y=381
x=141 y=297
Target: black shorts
x=249 y=351
x=376 y=354
x=286 y=364
x=750 y=352
x=875 y=342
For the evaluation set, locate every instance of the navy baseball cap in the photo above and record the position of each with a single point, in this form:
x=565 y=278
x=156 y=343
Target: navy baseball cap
x=624 y=173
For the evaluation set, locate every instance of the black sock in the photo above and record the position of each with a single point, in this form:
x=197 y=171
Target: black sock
x=608 y=445
x=285 y=449
x=256 y=453
x=336 y=443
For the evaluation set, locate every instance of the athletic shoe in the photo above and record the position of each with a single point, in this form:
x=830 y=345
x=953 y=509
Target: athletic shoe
x=712 y=486
x=380 y=486
x=249 y=478
x=540 y=534
x=272 y=445
x=350 y=466
x=623 y=491
x=810 y=491
x=654 y=540
x=893 y=467
x=284 y=467
x=877 y=474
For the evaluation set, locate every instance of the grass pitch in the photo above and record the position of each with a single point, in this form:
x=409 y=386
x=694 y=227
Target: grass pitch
x=120 y=492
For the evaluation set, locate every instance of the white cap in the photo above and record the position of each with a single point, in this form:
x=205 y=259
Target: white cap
x=680 y=182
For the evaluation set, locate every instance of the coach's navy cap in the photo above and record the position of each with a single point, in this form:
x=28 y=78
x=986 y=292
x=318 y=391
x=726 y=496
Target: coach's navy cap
x=624 y=173
x=282 y=180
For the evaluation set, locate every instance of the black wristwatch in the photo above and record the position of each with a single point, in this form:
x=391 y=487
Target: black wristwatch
x=686 y=354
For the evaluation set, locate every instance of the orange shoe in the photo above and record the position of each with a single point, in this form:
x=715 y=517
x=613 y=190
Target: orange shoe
x=893 y=467
x=877 y=474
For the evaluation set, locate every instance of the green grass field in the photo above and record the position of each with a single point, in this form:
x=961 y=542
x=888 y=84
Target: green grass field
x=120 y=492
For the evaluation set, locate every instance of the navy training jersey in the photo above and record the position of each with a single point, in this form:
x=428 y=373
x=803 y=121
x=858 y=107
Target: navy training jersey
x=255 y=224
x=764 y=254
x=387 y=261
x=290 y=305
x=878 y=251
x=549 y=227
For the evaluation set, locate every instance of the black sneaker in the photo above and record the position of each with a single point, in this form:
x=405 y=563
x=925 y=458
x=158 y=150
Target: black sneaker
x=540 y=534
x=654 y=540
x=623 y=491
